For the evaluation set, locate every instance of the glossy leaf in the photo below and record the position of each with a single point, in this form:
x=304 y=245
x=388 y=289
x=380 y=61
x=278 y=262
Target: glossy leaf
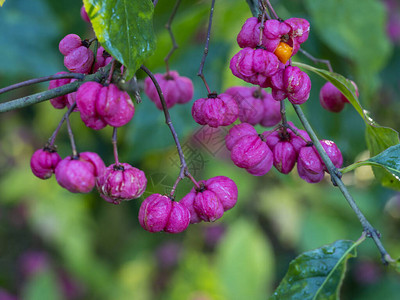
x=378 y=138
x=124 y=28
x=317 y=274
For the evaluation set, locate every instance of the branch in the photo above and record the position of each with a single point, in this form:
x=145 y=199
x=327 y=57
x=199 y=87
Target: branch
x=203 y=60
x=335 y=175
x=317 y=60
x=41 y=79
x=254 y=7
x=50 y=94
x=168 y=27
x=184 y=169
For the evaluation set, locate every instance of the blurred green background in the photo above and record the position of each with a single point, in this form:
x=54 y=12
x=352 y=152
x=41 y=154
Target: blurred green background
x=59 y=245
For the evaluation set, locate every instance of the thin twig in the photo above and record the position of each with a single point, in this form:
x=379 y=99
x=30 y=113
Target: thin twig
x=272 y=9
x=317 y=60
x=71 y=138
x=203 y=60
x=110 y=75
x=53 y=93
x=41 y=79
x=168 y=27
x=65 y=116
x=114 y=143
x=184 y=169
x=335 y=175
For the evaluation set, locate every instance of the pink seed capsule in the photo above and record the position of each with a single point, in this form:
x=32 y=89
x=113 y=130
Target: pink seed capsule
x=121 y=183
x=43 y=163
x=78 y=175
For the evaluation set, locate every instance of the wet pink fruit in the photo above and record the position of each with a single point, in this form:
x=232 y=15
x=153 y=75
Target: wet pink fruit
x=333 y=153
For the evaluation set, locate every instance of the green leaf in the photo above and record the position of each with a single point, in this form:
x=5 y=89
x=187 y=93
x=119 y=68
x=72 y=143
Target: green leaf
x=124 y=28
x=245 y=262
x=317 y=274
x=378 y=138
x=388 y=159
x=2 y=2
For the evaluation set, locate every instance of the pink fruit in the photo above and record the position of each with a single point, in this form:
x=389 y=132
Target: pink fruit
x=43 y=162
x=78 y=175
x=216 y=110
x=225 y=189
x=175 y=89
x=159 y=213
x=121 y=183
x=69 y=43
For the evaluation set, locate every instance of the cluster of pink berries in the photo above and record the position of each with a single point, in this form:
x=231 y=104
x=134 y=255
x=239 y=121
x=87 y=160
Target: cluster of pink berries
x=82 y=173
x=206 y=202
x=282 y=148
x=175 y=88
x=263 y=61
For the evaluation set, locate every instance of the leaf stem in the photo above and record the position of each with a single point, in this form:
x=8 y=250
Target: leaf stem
x=203 y=60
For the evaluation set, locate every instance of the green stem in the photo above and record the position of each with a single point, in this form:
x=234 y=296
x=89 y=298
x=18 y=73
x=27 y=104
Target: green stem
x=335 y=176
x=49 y=94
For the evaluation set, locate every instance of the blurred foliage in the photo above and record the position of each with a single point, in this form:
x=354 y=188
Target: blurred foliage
x=96 y=250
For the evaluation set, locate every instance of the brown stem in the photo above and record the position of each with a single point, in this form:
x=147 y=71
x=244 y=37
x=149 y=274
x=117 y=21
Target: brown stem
x=317 y=60
x=272 y=9
x=71 y=138
x=114 y=143
x=184 y=169
x=168 y=27
x=203 y=60
x=65 y=116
